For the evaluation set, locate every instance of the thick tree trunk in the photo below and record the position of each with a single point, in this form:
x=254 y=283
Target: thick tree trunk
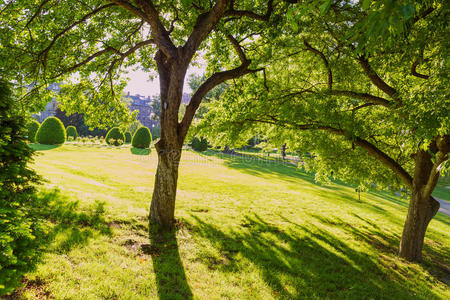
x=420 y=213
x=422 y=208
x=162 y=208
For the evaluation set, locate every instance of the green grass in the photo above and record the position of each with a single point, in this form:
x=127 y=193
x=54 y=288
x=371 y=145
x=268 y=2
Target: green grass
x=246 y=230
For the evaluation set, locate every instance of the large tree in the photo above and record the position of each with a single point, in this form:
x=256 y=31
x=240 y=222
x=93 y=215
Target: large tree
x=88 y=43
x=372 y=107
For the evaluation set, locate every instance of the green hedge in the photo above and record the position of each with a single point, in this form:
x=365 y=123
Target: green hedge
x=142 y=138
x=199 y=144
x=115 y=137
x=72 y=131
x=32 y=128
x=20 y=229
x=127 y=137
x=51 y=132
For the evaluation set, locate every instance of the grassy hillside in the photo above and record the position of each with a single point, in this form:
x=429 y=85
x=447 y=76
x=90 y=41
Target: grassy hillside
x=246 y=230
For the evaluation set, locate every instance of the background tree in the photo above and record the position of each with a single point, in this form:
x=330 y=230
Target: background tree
x=49 y=41
x=376 y=114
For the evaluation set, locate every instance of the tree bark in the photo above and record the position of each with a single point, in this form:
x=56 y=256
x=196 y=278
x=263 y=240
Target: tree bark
x=422 y=208
x=171 y=77
x=162 y=208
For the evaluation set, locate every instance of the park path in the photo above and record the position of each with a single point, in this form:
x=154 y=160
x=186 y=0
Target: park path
x=445 y=206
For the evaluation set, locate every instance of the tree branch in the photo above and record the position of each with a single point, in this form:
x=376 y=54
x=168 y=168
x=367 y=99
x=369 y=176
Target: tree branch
x=250 y=14
x=376 y=80
x=46 y=51
x=325 y=62
x=363 y=96
x=370 y=149
x=203 y=26
x=414 y=71
x=103 y=51
x=213 y=81
x=443 y=146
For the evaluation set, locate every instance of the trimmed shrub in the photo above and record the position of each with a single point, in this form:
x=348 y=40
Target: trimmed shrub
x=51 y=132
x=21 y=230
x=142 y=138
x=32 y=128
x=115 y=137
x=71 y=132
x=199 y=144
x=127 y=137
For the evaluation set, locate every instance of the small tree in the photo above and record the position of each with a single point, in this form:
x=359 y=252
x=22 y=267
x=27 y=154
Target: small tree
x=199 y=144
x=72 y=132
x=115 y=137
x=18 y=227
x=32 y=127
x=128 y=137
x=142 y=138
x=51 y=132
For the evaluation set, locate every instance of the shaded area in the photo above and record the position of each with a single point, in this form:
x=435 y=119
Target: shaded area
x=262 y=167
x=169 y=271
x=41 y=147
x=68 y=226
x=139 y=151
x=301 y=262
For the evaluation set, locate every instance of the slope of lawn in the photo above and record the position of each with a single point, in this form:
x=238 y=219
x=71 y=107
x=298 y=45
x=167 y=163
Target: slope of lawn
x=246 y=230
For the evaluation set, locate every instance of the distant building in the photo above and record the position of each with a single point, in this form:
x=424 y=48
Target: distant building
x=142 y=105
x=50 y=108
x=138 y=102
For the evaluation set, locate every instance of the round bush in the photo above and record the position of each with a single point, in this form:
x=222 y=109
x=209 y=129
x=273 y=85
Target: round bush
x=199 y=144
x=127 y=137
x=115 y=137
x=51 y=132
x=72 y=131
x=32 y=128
x=142 y=138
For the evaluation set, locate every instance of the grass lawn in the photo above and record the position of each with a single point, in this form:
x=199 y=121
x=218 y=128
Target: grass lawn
x=246 y=230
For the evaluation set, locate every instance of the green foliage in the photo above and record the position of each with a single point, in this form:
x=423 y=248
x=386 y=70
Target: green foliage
x=51 y=132
x=128 y=137
x=72 y=132
x=19 y=228
x=142 y=138
x=133 y=127
x=156 y=132
x=303 y=108
x=199 y=144
x=32 y=128
x=115 y=137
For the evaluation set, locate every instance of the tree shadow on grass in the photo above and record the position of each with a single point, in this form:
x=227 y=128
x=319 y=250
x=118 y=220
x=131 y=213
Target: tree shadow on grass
x=68 y=226
x=263 y=168
x=139 y=151
x=41 y=147
x=169 y=271
x=300 y=262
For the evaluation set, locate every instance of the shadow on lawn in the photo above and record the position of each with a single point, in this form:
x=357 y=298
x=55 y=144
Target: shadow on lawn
x=40 y=147
x=301 y=262
x=169 y=271
x=263 y=167
x=70 y=224
x=138 y=151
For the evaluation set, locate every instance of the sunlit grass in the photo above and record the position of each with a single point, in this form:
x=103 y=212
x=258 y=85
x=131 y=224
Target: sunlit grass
x=247 y=230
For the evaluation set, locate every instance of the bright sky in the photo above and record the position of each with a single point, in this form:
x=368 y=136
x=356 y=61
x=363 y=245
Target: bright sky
x=140 y=83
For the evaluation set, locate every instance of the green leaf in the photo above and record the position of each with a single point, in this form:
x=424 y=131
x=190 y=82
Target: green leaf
x=366 y=4
x=325 y=7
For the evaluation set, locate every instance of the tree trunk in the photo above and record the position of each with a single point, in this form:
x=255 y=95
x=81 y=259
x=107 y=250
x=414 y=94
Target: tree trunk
x=420 y=213
x=162 y=208
x=422 y=208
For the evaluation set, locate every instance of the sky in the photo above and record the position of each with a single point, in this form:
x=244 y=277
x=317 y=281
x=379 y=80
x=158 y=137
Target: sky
x=140 y=83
